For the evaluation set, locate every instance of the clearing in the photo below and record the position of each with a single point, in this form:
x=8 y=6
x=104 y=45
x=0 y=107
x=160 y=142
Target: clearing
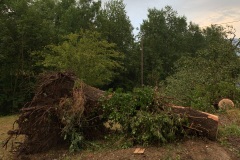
x=227 y=147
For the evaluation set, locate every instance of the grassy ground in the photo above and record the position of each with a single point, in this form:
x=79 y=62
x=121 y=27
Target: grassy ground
x=6 y=124
x=113 y=148
x=229 y=130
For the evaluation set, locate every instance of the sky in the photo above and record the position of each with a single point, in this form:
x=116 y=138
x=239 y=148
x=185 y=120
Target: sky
x=201 y=12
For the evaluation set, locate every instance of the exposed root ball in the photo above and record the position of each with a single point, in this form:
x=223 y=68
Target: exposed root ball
x=61 y=103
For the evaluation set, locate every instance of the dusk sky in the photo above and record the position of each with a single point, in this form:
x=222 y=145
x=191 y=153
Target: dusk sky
x=202 y=12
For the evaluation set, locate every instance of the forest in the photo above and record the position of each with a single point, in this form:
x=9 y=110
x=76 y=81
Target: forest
x=95 y=40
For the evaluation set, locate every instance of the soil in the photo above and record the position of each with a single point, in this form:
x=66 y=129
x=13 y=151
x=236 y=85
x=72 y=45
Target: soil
x=191 y=149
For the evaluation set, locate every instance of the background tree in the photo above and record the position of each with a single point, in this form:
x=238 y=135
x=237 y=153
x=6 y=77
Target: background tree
x=115 y=26
x=23 y=30
x=72 y=15
x=91 y=58
x=212 y=74
x=162 y=34
x=194 y=39
x=30 y=25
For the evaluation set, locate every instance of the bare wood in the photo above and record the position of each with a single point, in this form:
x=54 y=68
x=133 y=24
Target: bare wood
x=139 y=151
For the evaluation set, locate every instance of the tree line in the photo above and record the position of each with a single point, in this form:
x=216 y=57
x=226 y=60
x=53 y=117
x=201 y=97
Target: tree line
x=96 y=42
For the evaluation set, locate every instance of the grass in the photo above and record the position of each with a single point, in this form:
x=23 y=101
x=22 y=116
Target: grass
x=231 y=123
x=234 y=115
x=230 y=128
x=6 y=124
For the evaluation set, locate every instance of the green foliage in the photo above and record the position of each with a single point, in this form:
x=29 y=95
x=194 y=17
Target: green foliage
x=30 y=25
x=72 y=15
x=163 y=37
x=76 y=139
x=22 y=31
x=115 y=26
x=210 y=75
x=149 y=128
x=126 y=104
x=91 y=58
x=194 y=39
x=142 y=118
x=72 y=120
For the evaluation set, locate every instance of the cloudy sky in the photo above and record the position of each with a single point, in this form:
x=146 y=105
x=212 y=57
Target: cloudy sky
x=202 y=12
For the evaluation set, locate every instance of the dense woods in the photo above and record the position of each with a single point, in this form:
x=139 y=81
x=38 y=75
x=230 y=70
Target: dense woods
x=197 y=66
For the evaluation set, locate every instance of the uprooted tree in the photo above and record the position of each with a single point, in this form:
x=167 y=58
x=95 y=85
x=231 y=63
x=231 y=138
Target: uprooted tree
x=58 y=106
x=64 y=109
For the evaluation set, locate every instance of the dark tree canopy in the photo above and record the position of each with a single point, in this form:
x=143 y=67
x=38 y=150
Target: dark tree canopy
x=30 y=27
x=163 y=37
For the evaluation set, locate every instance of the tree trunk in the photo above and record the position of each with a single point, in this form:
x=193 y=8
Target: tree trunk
x=205 y=124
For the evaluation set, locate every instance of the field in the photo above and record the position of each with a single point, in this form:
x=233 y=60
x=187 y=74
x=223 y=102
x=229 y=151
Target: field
x=227 y=147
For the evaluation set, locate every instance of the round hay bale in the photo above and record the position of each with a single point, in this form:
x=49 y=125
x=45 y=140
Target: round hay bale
x=225 y=104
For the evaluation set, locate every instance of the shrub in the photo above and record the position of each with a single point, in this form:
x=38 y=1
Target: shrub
x=144 y=116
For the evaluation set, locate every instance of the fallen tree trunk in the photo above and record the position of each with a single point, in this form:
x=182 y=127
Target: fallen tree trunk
x=204 y=124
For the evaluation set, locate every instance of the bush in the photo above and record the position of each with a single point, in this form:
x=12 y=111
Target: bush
x=144 y=116
x=148 y=127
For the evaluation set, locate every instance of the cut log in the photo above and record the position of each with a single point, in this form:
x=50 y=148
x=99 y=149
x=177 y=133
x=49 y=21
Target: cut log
x=205 y=124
